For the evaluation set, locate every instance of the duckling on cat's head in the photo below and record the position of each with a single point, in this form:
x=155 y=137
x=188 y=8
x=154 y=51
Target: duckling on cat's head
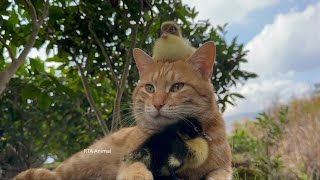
x=171 y=46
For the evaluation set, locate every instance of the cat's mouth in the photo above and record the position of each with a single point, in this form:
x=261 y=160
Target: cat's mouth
x=161 y=116
x=157 y=115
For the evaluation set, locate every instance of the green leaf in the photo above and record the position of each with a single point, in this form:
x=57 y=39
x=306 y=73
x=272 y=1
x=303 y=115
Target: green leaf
x=54 y=80
x=46 y=83
x=37 y=64
x=13 y=49
x=57 y=59
x=13 y=18
x=30 y=92
x=1 y=20
x=44 y=101
x=237 y=95
x=4 y=5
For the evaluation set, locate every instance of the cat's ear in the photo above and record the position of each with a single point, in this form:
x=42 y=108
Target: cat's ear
x=142 y=59
x=203 y=58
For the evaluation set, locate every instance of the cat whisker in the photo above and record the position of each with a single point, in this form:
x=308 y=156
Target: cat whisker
x=181 y=114
x=126 y=118
x=130 y=118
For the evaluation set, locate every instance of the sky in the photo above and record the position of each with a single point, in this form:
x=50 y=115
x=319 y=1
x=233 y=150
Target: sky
x=283 y=39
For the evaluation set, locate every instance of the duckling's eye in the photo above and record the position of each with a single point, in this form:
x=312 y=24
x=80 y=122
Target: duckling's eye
x=173 y=30
x=149 y=88
x=176 y=87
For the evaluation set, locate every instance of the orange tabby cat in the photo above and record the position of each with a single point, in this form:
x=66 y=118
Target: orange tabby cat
x=165 y=91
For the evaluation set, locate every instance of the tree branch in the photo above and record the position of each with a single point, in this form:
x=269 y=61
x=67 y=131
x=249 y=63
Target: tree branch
x=8 y=48
x=92 y=103
x=44 y=13
x=116 y=117
x=104 y=53
x=149 y=23
x=7 y=74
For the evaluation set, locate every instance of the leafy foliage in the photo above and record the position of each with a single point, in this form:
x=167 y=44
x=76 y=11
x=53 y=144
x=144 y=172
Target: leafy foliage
x=45 y=110
x=41 y=117
x=280 y=144
x=254 y=154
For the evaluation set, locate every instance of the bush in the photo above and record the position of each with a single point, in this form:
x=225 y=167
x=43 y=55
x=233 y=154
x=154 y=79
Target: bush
x=281 y=144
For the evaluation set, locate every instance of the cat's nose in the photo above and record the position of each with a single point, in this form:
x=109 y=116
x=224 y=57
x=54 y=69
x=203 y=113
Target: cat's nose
x=158 y=106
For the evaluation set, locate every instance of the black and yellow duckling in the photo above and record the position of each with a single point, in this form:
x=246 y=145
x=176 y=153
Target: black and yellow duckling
x=179 y=146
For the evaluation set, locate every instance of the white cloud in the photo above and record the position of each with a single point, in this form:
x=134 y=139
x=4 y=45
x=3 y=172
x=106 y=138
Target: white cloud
x=281 y=54
x=228 y=11
x=290 y=43
x=262 y=94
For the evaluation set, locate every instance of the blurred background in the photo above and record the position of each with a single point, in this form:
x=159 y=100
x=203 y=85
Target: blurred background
x=66 y=77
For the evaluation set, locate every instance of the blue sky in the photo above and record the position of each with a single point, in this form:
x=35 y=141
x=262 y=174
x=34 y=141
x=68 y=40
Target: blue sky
x=283 y=37
x=259 y=18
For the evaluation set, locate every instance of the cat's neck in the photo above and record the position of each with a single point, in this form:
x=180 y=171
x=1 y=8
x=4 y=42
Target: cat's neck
x=148 y=129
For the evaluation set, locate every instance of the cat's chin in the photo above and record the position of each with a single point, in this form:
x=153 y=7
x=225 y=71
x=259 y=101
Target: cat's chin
x=156 y=123
x=161 y=118
x=162 y=121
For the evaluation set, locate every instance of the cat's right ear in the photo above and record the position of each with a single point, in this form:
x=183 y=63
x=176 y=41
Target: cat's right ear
x=203 y=59
x=142 y=59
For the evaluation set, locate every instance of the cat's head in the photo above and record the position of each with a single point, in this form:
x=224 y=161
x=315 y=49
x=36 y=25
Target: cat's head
x=171 y=91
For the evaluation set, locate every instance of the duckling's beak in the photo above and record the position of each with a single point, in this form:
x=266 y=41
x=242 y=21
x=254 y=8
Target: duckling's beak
x=206 y=136
x=164 y=35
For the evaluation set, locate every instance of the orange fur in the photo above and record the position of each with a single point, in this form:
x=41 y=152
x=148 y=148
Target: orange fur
x=196 y=97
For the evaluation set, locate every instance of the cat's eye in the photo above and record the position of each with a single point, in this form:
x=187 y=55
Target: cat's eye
x=176 y=87
x=149 y=88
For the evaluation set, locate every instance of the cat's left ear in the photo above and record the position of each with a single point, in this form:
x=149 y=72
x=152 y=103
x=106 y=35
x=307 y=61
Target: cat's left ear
x=203 y=58
x=142 y=59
